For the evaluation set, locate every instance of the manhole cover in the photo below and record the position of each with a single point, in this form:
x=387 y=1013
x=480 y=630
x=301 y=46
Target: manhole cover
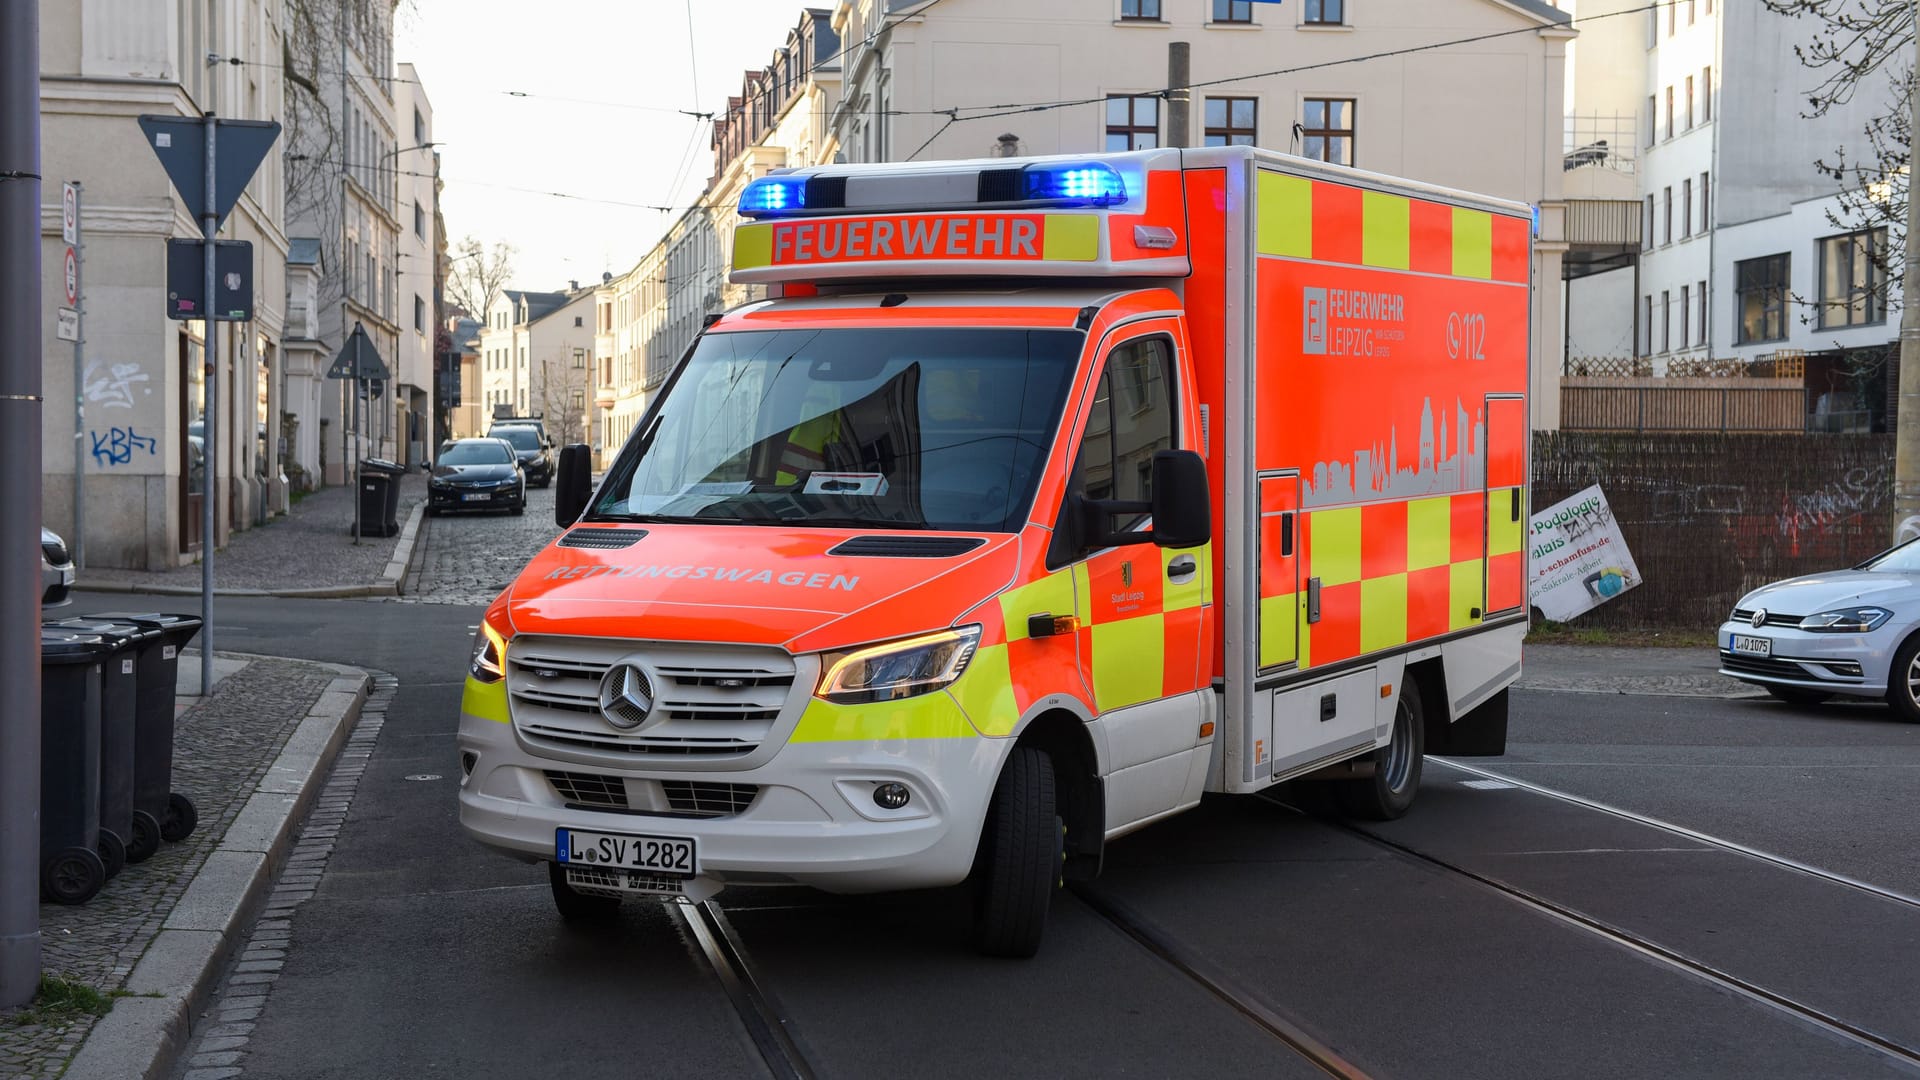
x=424 y=776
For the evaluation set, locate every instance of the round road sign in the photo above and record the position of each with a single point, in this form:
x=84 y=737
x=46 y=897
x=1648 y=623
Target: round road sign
x=73 y=279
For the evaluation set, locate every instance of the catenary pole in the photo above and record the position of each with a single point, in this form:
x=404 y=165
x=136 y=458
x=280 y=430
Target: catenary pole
x=1179 y=93
x=79 y=544
x=1906 y=444
x=20 y=419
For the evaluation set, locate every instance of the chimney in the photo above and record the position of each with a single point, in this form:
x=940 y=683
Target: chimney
x=573 y=285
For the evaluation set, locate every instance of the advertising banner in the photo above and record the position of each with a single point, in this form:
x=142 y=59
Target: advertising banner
x=1578 y=557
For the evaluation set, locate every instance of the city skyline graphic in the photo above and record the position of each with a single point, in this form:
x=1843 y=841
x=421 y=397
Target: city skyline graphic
x=1444 y=466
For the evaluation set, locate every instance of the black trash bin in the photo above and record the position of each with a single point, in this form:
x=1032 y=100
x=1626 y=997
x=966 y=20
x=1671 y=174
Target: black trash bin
x=71 y=870
x=157 y=666
x=121 y=842
x=380 y=497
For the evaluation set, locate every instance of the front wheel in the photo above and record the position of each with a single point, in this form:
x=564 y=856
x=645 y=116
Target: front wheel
x=1388 y=793
x=1021 y=858
x=578 y=907
x=1903 y=681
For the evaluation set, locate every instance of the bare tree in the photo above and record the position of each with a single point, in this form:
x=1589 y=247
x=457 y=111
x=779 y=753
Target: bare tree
x=560 y=393
x=478 y=274
x=1864 y=47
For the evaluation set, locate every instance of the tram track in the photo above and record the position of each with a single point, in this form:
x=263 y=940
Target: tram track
x=768 y=1025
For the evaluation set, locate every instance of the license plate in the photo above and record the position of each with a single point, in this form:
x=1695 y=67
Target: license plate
x=1752 y=646
x=477 y=496
x=664 y=854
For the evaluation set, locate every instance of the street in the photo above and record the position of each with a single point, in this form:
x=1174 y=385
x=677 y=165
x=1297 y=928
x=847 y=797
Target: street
x=1496 y=931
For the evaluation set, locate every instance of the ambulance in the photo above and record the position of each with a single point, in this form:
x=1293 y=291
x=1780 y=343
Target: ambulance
x=1040 y=498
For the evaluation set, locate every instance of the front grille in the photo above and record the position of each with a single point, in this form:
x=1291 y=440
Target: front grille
x=1773 y=667
x=709 y=800
x=706 y=700
x=1774 y=618
x=607 y=881
x=590 y=789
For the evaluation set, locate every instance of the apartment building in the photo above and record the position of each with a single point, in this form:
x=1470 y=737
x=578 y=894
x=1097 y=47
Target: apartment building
x=141 y=446
x=535 y=349
x=417 y=269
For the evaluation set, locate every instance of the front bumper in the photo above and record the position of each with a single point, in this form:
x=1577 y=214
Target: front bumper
x=453 y=498
x=57 y=584
x=812 y=821
x=1852 y=664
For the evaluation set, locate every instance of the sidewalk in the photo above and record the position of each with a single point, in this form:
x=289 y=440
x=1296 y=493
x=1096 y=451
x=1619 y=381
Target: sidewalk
x=309 y=552
x=1593 y=669
x=251 y=756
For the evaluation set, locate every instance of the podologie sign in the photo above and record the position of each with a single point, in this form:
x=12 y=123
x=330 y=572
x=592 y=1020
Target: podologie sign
x=1579 y=558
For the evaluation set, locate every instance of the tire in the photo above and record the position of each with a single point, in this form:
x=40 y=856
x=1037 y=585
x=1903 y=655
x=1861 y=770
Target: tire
x=146 y=837
x=519 y=510
x=179 y=820
x=1021 y=858
x=1903 y=681
x=112 y=851
x=72 y=876
x=579 y=908
x=1798 y=695
x=1388 y=793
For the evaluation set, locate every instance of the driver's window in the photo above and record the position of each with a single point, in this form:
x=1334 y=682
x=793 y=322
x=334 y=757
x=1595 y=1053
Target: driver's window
x=1132 y=420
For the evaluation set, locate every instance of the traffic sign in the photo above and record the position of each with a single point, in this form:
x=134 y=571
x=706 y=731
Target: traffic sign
x=232 y=280
x=67 y=325
x=180 y=142
x=73 y=278
x=358 y=357
x=70 y=212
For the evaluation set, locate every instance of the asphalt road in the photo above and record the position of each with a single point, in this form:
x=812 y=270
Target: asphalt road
x=1495 y=932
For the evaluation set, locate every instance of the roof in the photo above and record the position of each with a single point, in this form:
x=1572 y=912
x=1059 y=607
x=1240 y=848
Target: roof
x=1539 y=9
x=303 y=251
x=538 y=304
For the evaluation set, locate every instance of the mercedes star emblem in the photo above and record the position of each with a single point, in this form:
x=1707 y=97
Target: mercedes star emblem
x=626 y=696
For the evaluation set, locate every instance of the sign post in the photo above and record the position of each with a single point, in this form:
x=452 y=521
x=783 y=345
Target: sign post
x=188 y=149
x=358 y=362
x=68 y=326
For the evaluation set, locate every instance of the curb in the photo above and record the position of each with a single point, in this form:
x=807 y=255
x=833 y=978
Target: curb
x=388 y=585
x=145 y=1037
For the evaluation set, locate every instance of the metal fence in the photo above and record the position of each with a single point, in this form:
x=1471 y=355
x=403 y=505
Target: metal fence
x=1710 y=516
x=1655 y=404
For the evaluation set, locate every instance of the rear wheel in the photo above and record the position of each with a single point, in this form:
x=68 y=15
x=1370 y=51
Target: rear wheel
x=1798 y=695
x=1022 y=856
x=578 y=907
x=1396 y=766
x=1903 y=681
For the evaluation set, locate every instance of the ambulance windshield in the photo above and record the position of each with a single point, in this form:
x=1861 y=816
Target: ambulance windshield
x=903 y=429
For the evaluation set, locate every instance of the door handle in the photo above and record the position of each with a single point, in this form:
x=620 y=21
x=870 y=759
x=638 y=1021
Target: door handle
x=1182 y=569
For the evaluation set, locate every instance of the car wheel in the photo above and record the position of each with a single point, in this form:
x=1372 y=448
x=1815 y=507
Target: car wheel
x=519 y=510
x=1903 y=681
x=1388 y=793
x=1798 y=695
x=1021 y=857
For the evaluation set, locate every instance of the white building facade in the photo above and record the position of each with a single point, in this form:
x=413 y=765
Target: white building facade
x=536 y=353
x=416 y=176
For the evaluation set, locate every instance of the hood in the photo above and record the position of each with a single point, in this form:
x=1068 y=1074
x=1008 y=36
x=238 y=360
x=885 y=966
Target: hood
x=752 y=584
x=494 y=471
x=1823 y=592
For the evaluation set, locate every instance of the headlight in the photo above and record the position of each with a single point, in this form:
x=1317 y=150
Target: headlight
x=489 y=662
x=898 y=669
x=1853 y=620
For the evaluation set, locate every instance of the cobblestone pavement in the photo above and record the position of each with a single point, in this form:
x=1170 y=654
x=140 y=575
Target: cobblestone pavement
x=1689 y=672
x=222 y=748
x=310 y=548
x=467 y=558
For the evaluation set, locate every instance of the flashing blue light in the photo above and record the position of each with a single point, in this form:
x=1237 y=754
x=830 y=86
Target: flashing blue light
x=772 y=195
x=1091 y=184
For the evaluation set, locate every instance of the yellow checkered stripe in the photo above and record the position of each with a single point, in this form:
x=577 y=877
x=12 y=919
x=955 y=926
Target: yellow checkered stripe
x=1290 y=216
x=1439 y=586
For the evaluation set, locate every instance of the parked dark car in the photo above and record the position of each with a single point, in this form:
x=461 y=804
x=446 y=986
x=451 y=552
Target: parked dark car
x=477 y=474
x=532 y=447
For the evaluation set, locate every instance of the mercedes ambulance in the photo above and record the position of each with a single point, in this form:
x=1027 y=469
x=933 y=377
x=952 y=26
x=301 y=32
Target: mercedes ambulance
x=1041 y=498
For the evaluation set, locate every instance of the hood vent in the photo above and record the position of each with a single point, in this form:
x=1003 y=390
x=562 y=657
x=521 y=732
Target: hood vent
x=908 y=547
x=602 y=539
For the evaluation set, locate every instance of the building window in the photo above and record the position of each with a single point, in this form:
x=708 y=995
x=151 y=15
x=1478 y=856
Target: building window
x=1686 y=312
x=1667 y=235
x=1706 y=90
x=1851 y=279
x=1666 y=321
x=1140 y=9
x=1651 y=222
x=1646 y=327
x=1328 y=132
x=1700 y=292
x=579 y=401
x=1673 y=17
x=579 y=359
x=1689 y=12
x=1326 y=12
x=1233 y=11
x=419 y=221
x=1689 y=103
x=1133 y=121
x=1230 y=121
x=419 y=314
x=579 y=320
x=1686 y=208
x=1706 y=221
x=1653 y=119
x=419 y=128
x=1669 y=112
x=1761 y=286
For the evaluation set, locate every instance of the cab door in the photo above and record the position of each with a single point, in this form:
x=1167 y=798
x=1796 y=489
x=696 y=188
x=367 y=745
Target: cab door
x=1144 y=607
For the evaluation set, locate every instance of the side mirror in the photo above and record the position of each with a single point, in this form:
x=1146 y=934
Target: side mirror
x=573 y=485
x=1181 y=506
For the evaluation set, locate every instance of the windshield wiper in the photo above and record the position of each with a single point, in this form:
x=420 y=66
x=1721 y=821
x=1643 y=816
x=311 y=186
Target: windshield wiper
x=661 y=519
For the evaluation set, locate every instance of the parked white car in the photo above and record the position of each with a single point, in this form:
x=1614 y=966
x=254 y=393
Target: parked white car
x=1853 y=633
x=56 y=569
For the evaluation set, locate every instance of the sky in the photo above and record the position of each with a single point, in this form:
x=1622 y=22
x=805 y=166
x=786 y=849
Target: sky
x=601 y=80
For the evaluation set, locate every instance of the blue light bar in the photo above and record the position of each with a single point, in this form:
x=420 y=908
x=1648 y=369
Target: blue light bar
x=771 y=196
x=1079 y=184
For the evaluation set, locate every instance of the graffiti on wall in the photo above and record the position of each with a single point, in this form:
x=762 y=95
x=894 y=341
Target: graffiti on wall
x=111 y=386
x=117 y=445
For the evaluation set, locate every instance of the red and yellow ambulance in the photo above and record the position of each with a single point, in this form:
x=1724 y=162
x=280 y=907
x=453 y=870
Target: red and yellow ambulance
x=1043 y=497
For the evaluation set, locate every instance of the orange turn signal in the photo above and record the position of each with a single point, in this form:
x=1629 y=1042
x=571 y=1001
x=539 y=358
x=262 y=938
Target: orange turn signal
x=1386 y=690
x=1206 y=730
